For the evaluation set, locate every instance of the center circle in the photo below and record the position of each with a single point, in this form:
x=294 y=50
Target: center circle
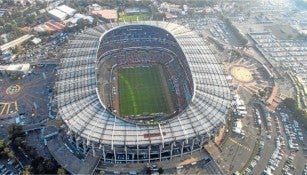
x=12 y=90
x=241 y=74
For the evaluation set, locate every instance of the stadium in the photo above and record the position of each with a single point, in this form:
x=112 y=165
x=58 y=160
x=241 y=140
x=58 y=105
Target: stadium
x=140 y=92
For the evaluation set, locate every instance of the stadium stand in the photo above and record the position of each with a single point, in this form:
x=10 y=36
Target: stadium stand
x=202 y=89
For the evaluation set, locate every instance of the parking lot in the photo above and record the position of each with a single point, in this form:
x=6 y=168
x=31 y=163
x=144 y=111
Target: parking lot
x=9 y=167
x=279 y=150
x=235 y=151
x=25 y=100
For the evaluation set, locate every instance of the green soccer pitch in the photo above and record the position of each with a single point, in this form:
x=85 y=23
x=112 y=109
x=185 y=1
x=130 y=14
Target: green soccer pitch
x=141 y=91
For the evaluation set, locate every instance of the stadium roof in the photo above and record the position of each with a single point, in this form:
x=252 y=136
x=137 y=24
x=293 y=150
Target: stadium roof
x=82 y=111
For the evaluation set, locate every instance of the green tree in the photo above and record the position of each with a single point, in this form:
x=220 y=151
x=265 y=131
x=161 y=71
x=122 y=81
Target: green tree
x=8 y=28
x=15 y=131
x=299 y=113
x=20 y=142
x=50 y=166
x=44 y=166
x=61 y=171
x=2 y=22
x=27 y=170
x=81 y=23
x=290 y=103
x=41 y=4
x=30 y=19
x=2 y=145
x=95 y=21
x=37 y=165
x=8 y=152
x=16 y=50
x=261 y=93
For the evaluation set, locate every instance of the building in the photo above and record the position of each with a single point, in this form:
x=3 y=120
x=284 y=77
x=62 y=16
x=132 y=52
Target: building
x=57 y=15
x=172 y=8
x=90 y=126
x=2 y=12
x=21 y=2
x=15 y=69
x=49 y=26
x=169 y=15
x=61 y=13
x=36 y=41
x=73 y=20
x=106 y=14
x=68 y=10
x=12 y=44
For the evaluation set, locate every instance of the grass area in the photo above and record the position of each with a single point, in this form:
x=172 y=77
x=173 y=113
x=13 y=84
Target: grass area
x=141 y=91
x=133 y=17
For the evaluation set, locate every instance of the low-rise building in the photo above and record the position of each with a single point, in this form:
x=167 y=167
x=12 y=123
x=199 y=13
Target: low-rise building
x=73 y=20
x=36 y=41
x=61 y=13
x=15 y=68
x=107 y=14
x=68 y=10
x=15 y=42
x=169 y=15
x=49 y=26
x=57 y=15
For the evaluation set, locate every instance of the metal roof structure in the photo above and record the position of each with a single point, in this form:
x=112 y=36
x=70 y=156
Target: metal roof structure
x=84 y=114
x=21 y=68
x=68 y=10
x=57 y=14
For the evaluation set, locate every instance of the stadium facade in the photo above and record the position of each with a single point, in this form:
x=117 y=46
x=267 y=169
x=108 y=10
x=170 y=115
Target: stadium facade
x=198 y=78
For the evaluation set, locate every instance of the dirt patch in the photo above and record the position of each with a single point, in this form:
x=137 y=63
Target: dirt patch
x=218 y=139
x=189 y=161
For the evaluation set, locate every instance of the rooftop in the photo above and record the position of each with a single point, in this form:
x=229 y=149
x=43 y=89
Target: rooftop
x=16 y=67
x=58 y=13
x=207 y=110
x=68 y=10
x=106 y=13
